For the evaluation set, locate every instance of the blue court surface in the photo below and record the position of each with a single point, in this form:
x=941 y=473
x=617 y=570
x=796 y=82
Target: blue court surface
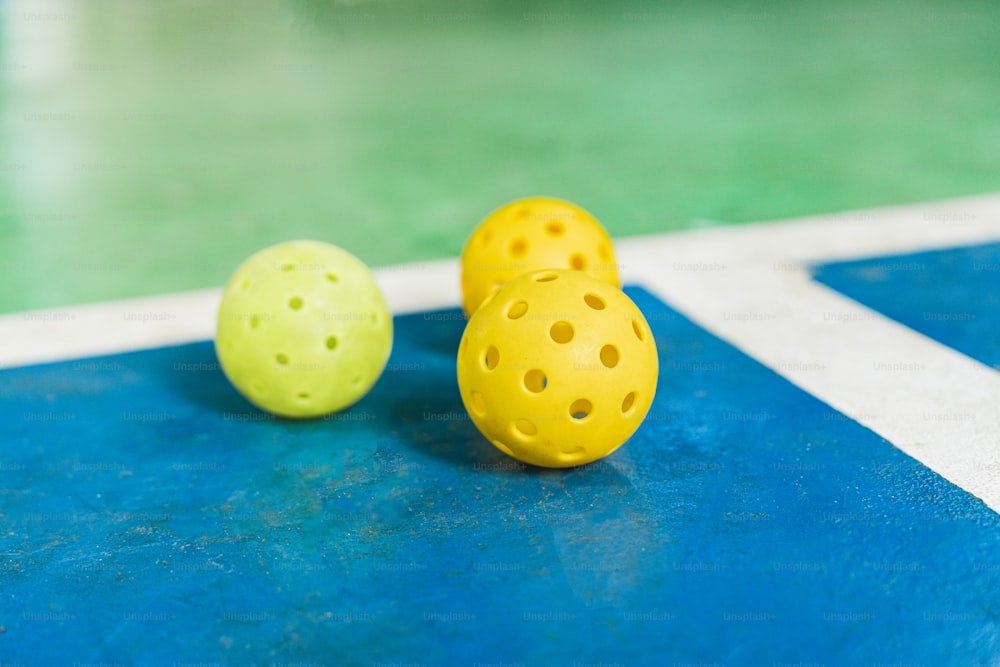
x=951 y=295
x=149 y=516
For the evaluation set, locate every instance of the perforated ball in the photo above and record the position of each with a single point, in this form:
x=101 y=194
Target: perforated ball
x=303 y=329
x=532 y=234
x=557 y=368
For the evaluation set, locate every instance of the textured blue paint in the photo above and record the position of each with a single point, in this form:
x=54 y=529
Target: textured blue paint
x=951 y=295
x=149 y=516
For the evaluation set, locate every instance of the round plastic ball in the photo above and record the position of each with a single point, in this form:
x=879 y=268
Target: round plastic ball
x=532 y=234
x=557 y=368
x=303 y=329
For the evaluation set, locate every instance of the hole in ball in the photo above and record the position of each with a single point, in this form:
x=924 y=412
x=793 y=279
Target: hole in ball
x=502 y=447
x=518 y=247
x=477 y=403
x=302 y=396
x=492 y=357
x=522 y=212
x=594 y=301
x=295 y=303
x=555 y=228
x=517 y=310
x=525 y=427
x=245 y=285
x=609 y=356
x=581 y=408
x=604 y=252
x=535 y=381
x=546 y=277
x=333 y=278
x=332 y=342
x=578 y=262
x=281 y=358
x=628 y=402
x=571 y=452
x=487 y=236
x=561 y=332
x=254 y=322
x=637 y=328
x=288 y=266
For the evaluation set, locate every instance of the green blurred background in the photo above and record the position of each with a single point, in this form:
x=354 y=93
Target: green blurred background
x=150 y=147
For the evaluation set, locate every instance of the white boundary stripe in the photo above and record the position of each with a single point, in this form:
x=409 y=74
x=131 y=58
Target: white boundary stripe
x=184 y=317
x=748 y=285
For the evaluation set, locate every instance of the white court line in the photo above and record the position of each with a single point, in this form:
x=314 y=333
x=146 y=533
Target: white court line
x=749 y=285
x=171 y=319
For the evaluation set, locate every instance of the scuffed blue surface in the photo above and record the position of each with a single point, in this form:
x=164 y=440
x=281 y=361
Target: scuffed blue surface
x=150 y=516
x=952 y=295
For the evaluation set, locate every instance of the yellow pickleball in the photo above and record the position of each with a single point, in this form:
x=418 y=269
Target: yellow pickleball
x=532 y=234
x=303 y=330
x=557 y=368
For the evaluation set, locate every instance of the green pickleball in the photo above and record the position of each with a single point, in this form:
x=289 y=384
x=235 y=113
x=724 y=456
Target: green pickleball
x=303 y=329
